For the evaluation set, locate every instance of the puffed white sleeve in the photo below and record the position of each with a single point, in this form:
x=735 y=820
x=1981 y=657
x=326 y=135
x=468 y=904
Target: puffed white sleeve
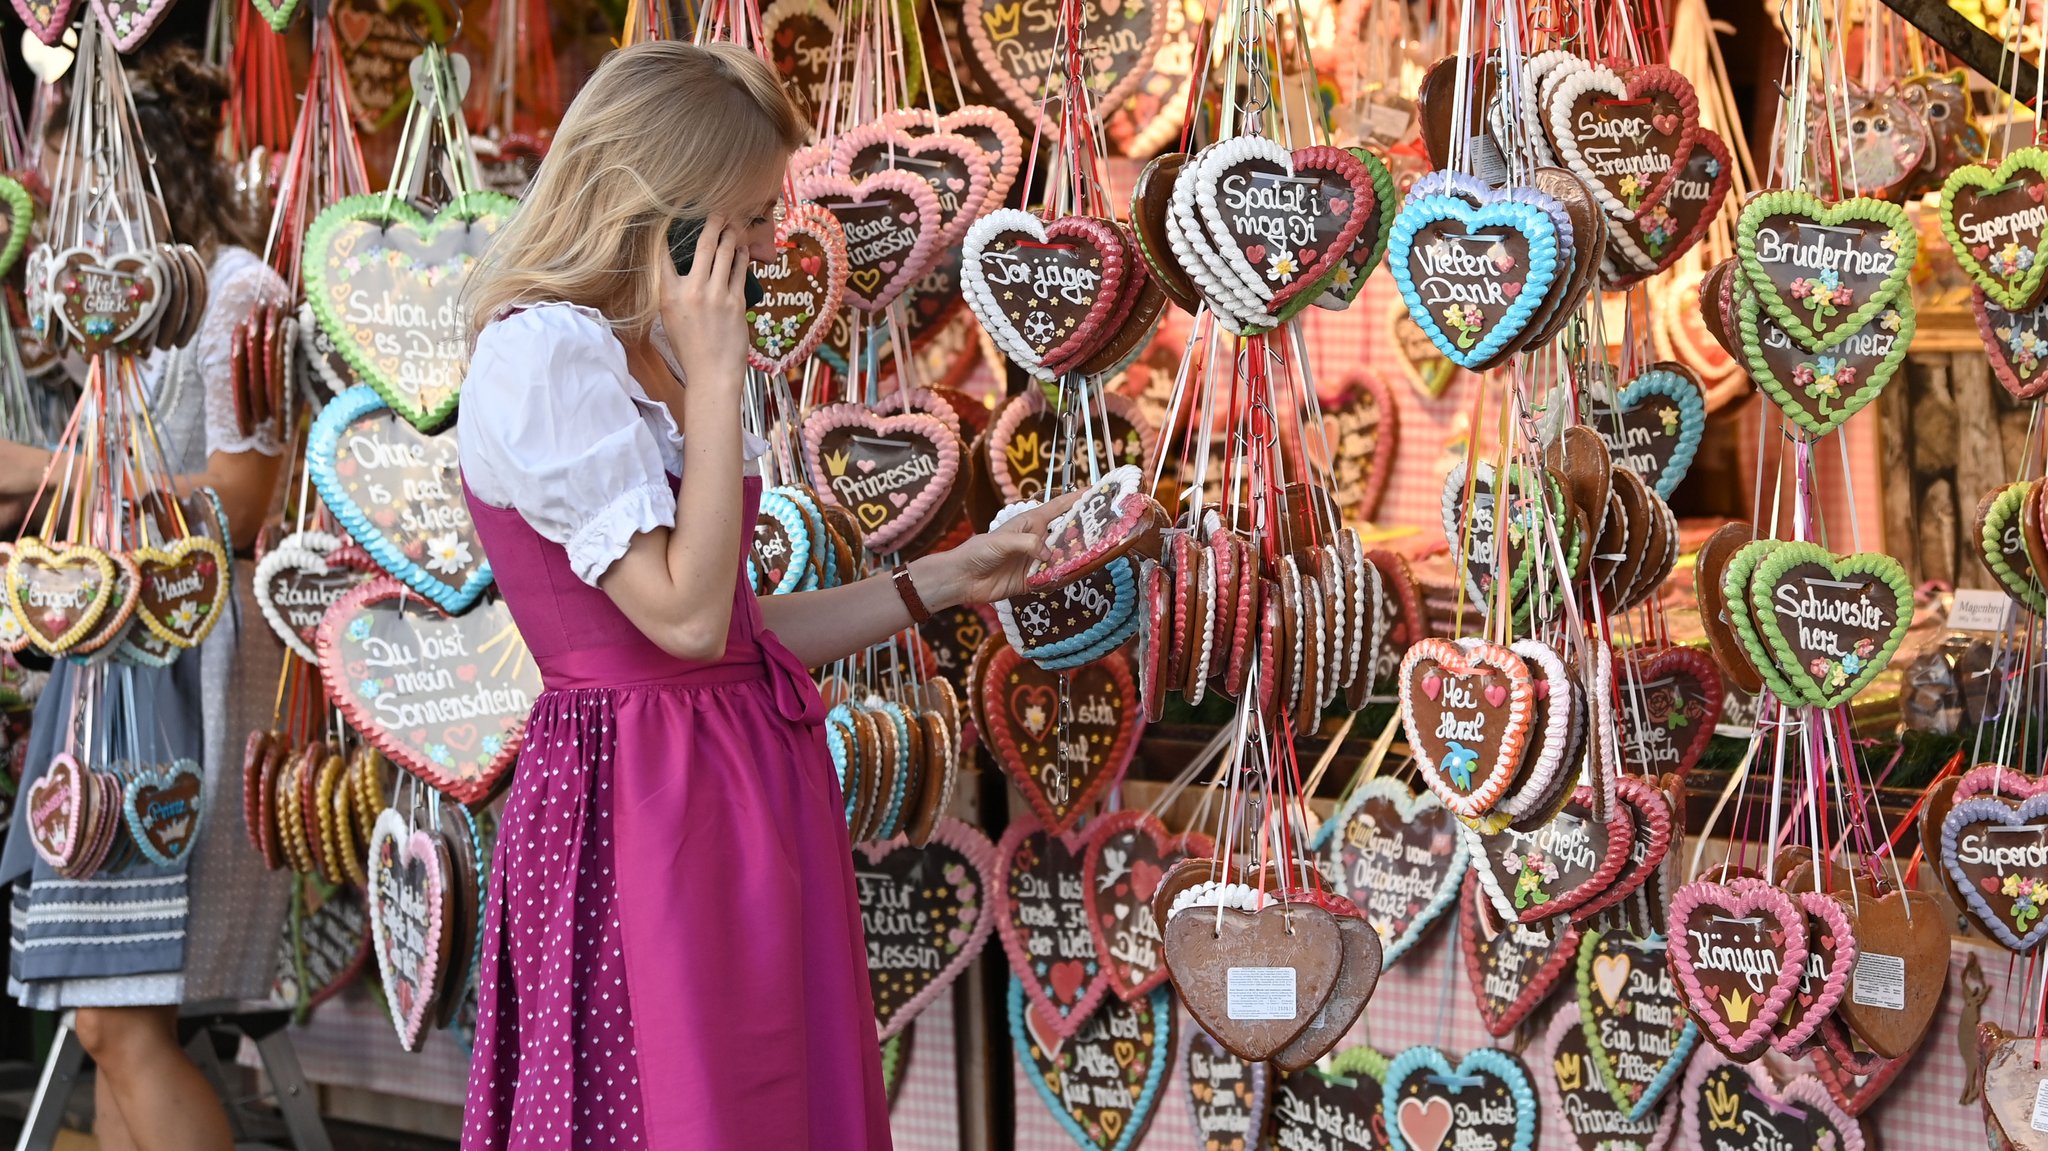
x=549 y=429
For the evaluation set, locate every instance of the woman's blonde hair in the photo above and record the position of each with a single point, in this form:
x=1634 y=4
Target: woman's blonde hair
x=663 y=129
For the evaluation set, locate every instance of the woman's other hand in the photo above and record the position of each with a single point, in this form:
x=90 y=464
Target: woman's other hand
x=991 y=566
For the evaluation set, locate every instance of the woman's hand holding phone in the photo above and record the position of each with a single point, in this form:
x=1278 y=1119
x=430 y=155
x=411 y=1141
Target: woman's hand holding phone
x=704 y=312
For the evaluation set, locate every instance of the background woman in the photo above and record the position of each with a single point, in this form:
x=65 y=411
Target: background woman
x=673 y=953
x=126 y=949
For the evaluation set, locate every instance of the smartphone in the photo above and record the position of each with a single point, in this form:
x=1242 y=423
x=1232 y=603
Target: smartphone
x=683 y=233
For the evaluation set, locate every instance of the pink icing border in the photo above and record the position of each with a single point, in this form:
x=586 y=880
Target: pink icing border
x=72 y=788
x=468 y=792
x=1013 y=947
x=1708 y=673
x=973 y=198
x=1029 y=108
x=407 y=844
x=1823 y=907
x=1553 y=1126
x=1804 y=1089
x=1737 y=901
x=918 y=512
x=2010 y=783
x=1003 y=165
x=1833 y=1060
x=912 y=266
x=1133 y=509
x=1621 y=835
x=981 y=857
x=821 y=225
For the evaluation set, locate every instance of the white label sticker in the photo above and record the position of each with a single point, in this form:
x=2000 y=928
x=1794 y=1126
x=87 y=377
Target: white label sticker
x=1880 y=981
x=1261 y=993
x=2040 y=1121
x=1976 y=609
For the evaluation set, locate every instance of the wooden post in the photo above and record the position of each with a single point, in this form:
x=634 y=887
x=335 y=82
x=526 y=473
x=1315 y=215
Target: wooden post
x=1895 y=456
x=1980 y=457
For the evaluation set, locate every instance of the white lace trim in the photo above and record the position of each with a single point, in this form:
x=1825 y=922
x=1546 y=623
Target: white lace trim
x=238 y=283
x=604 y=537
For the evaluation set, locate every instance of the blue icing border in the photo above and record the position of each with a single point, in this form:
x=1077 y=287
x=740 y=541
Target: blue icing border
x=902 y=781
x=1396 y=792
x=1692 y=420
x=1147 y=1101
x=1123 y=611
x=1532 y=222
x=777 y=503
x=159 y=777
x=322 y=444
x=1429 y=1059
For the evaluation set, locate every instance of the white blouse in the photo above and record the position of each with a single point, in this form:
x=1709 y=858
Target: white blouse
x=554 y=426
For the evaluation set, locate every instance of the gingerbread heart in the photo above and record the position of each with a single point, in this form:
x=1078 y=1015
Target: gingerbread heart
x=1665 y=229
x=1026 y=430
x=891 y=224
x=1830 y=624
x=397 y=492
x=1825 y=271
x=1627 y=137
x=2016 y=342
x=956 y=168
x=105 y=300
x=1116 y=1061
x=1653 y=427
x=56 y=804
x=385 y=282
x=1042 y=917
x=1632 y=1020
x=1996 y=854
x=1732 y=1107
x=59 y=593
x=300 y=578
x=1996 y=223
x=893 y=472
x=1557 y=866
x=1486 y=1101
x=1855 y=1079
x=801 y=290
x=1340 y=1106
x=1254 y=979
x=1514 y=969
x=181 y=587
x=1229 y=1096
x=1473 y=278
x=1127 y=854
x=1044 y=291
x=1397 y=855
x=1672 y=700
x=1284 y=221
x=1576 y=1097
x=1467 y=712
x=1113 y=518
x=1739 y=952
x=1020 y=46
x=1819 y=391
x=409 y=921
x=445 y=697
x=925 y=913
x=1061 y=759
x=162 y=809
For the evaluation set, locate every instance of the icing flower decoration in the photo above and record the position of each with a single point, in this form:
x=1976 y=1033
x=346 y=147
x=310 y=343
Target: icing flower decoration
x=1282 y=267
x=2028 y=897
x=1457 y=763
x=359 y=628
x=2026 y=347
x=184 y=615
x=1467 y=318
x=2011 y=260
x=1535 y=869
x=447 y=553
x=1658 y=227
x=1892 y=241
x=1630 y=190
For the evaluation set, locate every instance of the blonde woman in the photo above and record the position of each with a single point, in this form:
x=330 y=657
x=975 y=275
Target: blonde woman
x=673 y=953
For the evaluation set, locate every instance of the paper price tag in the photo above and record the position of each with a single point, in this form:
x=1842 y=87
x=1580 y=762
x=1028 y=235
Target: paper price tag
x=1976 y=609
x=1261 y=993
x=2040 y=1120
x=1880 y=981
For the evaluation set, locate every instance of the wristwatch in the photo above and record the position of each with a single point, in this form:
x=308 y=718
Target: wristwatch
x=906 y=588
